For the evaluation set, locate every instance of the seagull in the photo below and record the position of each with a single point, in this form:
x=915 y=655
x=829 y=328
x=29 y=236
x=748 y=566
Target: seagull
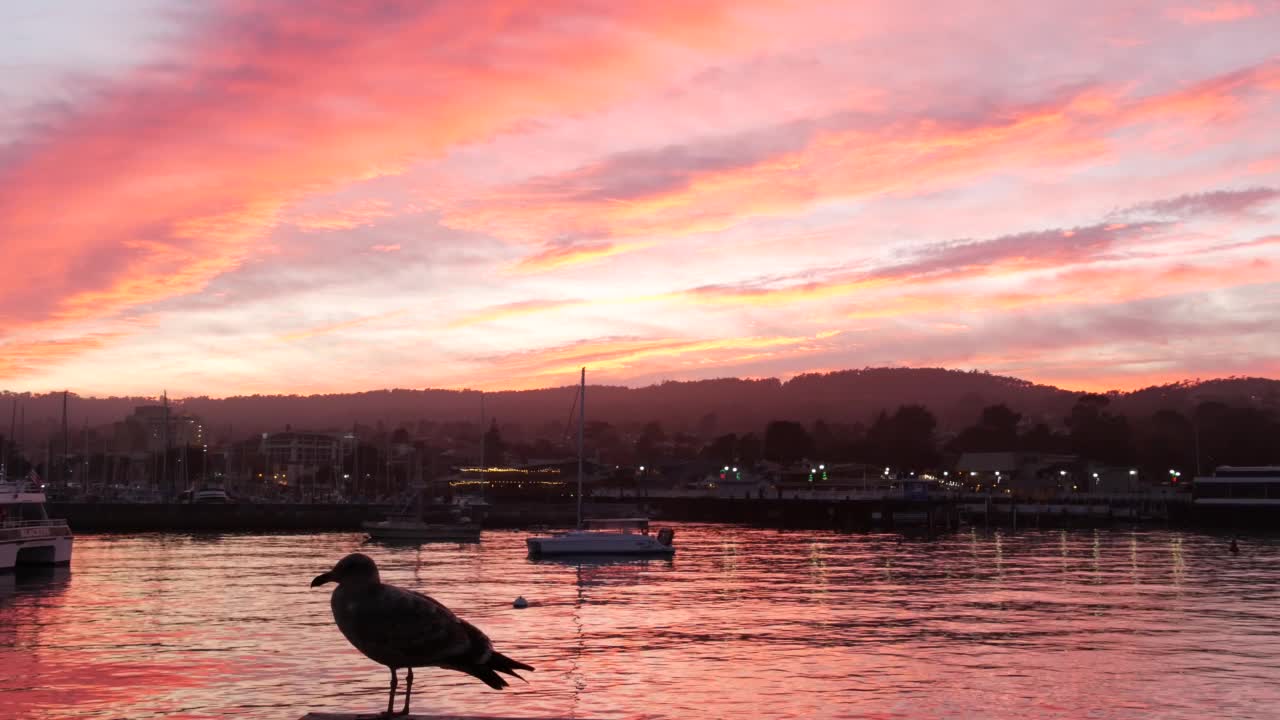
x=404 y=629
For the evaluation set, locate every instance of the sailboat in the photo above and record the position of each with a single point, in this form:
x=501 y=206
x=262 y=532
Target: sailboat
x=625 y=536
x=410 y=525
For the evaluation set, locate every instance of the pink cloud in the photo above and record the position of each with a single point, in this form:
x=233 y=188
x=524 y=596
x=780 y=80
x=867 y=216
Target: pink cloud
x=1221 y=12
x=710 y=185
x=159 y=181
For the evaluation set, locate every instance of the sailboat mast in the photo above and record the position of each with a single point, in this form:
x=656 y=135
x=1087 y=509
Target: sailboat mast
x=10 y=440
x=582 y=420
x=484 y=433
x=66 y=448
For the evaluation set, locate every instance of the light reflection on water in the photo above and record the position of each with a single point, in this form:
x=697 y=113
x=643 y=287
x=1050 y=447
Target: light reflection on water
x=742 y=623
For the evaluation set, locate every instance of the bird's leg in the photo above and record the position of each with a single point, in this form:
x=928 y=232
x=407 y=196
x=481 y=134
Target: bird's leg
x=391 y=698
x=408 y=689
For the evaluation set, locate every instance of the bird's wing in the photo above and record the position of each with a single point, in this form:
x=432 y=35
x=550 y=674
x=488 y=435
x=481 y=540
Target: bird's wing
x=401 y=628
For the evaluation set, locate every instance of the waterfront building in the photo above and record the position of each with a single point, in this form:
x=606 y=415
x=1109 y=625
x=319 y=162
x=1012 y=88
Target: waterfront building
x=1028 y=473
x=301 y=462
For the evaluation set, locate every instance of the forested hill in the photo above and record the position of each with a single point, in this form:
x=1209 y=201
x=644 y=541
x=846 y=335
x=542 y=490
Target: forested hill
x=706 y=407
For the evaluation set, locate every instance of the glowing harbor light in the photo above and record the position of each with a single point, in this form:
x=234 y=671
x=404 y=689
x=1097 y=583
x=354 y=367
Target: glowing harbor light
x=1133 y=472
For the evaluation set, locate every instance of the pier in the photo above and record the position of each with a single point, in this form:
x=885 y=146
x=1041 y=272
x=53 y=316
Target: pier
x=855 y=512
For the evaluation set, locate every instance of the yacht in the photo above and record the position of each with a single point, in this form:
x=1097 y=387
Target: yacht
x=28 y=536
x=601 y=537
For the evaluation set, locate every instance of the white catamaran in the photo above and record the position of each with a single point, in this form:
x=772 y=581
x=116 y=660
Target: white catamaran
x=601 y=537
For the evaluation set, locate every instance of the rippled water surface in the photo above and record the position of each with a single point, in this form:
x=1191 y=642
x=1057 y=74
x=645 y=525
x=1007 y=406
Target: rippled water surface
x=743 y=623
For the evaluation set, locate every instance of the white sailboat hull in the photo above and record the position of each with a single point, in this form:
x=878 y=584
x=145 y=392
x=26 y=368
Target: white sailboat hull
x=598 y=543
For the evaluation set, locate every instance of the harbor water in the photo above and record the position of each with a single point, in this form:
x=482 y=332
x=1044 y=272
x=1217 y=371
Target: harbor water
x=742 y=623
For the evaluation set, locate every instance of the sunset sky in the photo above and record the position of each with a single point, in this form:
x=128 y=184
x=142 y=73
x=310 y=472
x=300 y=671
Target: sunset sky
x=256 y=197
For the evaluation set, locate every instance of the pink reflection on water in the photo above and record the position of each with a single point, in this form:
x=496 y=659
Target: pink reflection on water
x=742 y=623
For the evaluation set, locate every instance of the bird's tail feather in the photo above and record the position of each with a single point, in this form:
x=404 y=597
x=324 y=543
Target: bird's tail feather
x=490 y=678
x=504 y=664
x=486 y=672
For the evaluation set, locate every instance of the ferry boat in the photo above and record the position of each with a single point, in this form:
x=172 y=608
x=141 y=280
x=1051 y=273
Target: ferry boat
x=1239 y=486
x=28 y=536
x=1238 y=495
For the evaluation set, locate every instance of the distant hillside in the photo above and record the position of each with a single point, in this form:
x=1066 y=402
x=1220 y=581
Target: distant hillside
x=705 y=406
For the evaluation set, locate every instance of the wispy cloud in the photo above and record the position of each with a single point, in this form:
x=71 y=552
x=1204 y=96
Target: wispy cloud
x=1218 y=12
x=331 y=328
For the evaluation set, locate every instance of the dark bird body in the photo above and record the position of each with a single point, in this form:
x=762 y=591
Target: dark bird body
x=404 y=629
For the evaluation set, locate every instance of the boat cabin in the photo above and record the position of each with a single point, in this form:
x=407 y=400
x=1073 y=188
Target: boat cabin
x=27 y=534
x=622 y=525
x=1238 y=486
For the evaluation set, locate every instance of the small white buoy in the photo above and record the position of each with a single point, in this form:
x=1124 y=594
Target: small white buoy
x=520 y=603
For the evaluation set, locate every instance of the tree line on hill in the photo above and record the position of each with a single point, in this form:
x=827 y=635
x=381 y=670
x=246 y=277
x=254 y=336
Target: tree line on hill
x=907 y=439
x=706 y=408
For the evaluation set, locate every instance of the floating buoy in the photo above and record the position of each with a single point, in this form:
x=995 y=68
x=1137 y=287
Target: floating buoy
x=520 y=603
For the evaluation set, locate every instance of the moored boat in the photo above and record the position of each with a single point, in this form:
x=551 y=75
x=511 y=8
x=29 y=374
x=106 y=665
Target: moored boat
x=28 y=536
x=407 y=528
x=628 y=536
x=622 y=536
x=410 y=524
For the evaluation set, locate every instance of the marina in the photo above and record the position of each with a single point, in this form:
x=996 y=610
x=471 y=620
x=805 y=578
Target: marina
x=742 y=621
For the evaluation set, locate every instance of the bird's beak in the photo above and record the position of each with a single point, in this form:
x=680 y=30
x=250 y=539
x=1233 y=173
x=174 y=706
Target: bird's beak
x=321 y=579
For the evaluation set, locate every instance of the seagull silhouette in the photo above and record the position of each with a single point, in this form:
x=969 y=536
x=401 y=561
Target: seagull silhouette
x=404 y=629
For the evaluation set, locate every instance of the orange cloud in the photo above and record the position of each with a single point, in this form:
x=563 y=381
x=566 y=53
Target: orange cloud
x=510 y=310
x=27 y=357
x=610 y=356
x=562 y=256
x=337 y=327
